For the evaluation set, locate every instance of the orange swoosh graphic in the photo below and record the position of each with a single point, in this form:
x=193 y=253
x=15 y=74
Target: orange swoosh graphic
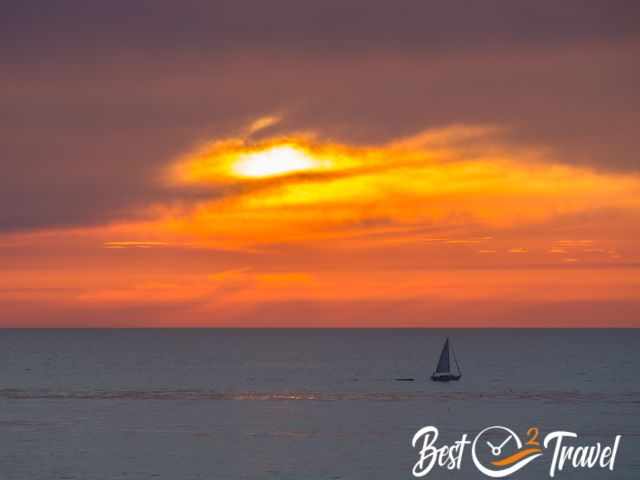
x=516 y=456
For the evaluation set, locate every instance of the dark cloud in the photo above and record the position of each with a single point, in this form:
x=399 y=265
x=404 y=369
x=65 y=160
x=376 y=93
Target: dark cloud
x=53 y=178
x=331 y=25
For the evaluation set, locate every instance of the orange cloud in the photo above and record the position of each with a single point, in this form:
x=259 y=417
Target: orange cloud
x=299 y=188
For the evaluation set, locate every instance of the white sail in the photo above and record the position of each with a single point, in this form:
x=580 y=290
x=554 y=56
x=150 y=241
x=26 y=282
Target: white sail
x=443 y=369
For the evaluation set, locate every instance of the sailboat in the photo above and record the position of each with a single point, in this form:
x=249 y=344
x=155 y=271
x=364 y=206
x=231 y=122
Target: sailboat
x=443 y=371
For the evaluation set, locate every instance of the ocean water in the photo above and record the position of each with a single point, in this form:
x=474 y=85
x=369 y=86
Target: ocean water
x=301 y=404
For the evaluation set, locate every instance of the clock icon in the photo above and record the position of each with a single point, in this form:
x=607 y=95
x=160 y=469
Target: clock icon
x=492 y=441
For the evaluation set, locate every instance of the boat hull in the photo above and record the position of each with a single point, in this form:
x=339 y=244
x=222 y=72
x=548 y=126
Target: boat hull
x=445 y=378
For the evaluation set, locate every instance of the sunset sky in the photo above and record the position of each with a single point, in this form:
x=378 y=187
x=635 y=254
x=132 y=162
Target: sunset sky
x=335 y=163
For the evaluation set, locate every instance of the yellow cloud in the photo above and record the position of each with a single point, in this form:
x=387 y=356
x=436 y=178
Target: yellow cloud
x=135 y=244
x=262 y=123
x=300 y=188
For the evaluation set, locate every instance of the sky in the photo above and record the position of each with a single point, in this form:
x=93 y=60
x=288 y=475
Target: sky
x=319 y=164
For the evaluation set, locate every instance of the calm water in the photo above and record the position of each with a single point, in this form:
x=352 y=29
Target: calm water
x=299 y=404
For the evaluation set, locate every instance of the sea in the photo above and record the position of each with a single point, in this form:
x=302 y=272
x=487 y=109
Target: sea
x=180 y=404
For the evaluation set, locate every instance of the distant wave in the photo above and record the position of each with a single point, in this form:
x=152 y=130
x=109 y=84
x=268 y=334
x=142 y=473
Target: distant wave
x=204 y=395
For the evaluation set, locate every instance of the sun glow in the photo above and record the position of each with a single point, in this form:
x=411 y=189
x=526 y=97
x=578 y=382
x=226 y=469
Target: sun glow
x=277 y=160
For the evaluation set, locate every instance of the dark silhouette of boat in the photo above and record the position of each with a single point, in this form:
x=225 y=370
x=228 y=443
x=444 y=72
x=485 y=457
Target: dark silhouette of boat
x=443 y=371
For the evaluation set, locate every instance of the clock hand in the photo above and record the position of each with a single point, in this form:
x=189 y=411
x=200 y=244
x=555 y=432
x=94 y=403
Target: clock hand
x=504 y=443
